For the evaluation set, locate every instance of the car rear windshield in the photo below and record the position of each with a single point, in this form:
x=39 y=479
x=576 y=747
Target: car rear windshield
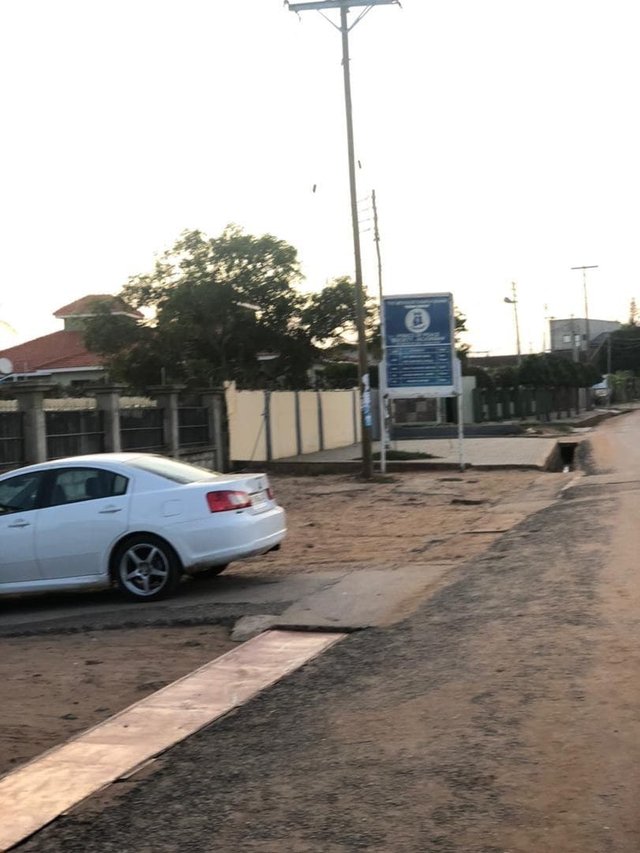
x=170 y=469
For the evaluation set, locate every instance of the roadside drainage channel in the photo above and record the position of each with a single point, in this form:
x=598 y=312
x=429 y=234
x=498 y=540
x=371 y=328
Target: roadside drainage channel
x=37 y=793
x=563 y=458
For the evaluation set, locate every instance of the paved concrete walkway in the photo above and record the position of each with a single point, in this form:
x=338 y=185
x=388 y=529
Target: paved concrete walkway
x=504 y=452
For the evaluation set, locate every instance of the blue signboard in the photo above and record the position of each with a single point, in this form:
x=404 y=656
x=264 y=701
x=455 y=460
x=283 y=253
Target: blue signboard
x=419 y=345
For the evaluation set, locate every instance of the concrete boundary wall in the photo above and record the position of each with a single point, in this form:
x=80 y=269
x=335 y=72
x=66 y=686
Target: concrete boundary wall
x=246 y=423
x=309 y=421
x=267 y=425
x=340 y=428
x=282 y=415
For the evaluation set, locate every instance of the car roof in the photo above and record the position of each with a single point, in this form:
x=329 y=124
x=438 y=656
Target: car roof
x=72 y=461
x=98 y=457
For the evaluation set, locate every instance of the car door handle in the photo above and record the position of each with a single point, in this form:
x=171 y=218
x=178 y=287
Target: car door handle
x=20 y=523
x=110 y=509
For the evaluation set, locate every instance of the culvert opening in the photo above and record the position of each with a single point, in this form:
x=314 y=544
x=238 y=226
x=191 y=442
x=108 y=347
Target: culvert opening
x=566 y=456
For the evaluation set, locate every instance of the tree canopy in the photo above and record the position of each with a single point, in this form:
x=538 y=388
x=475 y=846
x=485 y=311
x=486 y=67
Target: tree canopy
x=541 y=370
x=228 y=307
x=225 y=308
x=625 y=350
x=330 y=314
x=215 y=304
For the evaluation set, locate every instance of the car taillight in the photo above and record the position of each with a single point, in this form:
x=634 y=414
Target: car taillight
x=225 y=500
x=270 y=493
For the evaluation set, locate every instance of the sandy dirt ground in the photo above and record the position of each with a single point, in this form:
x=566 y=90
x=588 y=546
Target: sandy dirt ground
x=56 y=685
x=338 y=521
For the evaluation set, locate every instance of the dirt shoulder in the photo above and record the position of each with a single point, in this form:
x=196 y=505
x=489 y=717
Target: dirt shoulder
x=55 y=686
x=337 y=521
x=61 y=682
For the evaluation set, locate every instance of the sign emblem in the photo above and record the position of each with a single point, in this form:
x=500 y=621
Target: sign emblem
x=417 y=320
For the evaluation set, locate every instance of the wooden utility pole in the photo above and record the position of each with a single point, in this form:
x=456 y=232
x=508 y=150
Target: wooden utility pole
x=363 y=363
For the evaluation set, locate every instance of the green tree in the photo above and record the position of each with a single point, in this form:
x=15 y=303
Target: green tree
x=131 y=349
x=484 y=378
x=536 y=371
x=625 y=351
x=507 y=376
x=330 y=314
x=215 y=305
x=545 y=370
x=460 y=326
x=588 y=375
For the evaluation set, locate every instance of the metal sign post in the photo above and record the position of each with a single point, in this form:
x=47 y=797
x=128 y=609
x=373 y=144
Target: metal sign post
x=382 y=414
x=460 y=414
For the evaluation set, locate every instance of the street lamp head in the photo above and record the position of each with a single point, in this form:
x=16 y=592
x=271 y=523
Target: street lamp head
x=509 y=301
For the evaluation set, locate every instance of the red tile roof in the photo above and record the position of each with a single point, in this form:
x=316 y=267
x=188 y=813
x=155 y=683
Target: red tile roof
x=56 y=351
x=86 y=306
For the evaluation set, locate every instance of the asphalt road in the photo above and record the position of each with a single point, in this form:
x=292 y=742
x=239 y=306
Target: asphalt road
x=503 y=715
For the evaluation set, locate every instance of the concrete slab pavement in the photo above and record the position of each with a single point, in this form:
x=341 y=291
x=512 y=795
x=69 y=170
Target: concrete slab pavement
x=490 y=453
x=352 y=600
x=364 y=599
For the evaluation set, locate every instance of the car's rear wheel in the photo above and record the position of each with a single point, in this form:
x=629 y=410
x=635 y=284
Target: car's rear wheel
x=146 y=568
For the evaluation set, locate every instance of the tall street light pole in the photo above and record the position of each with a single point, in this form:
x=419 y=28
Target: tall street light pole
x=513 y=300
x=586 y=302
x=363 y=361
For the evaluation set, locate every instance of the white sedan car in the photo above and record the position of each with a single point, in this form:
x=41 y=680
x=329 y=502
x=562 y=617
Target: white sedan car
x=131 y=519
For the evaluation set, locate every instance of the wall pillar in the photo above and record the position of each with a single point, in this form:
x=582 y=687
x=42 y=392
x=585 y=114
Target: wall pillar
x=298 y=424
x=108 y=402
x=375 y=406
x=320 y=420
x=214 y=402
x=267 y=424
x=30 y=399
x=167 y=397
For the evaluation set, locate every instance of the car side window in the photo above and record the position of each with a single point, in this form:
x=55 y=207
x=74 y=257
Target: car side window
x=71 y=485
x=20 y=493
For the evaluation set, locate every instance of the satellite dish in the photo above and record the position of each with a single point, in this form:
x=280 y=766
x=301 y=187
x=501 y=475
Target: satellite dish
x=6 y=367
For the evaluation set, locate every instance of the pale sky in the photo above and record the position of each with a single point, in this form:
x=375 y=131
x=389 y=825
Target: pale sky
x=502 y=139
